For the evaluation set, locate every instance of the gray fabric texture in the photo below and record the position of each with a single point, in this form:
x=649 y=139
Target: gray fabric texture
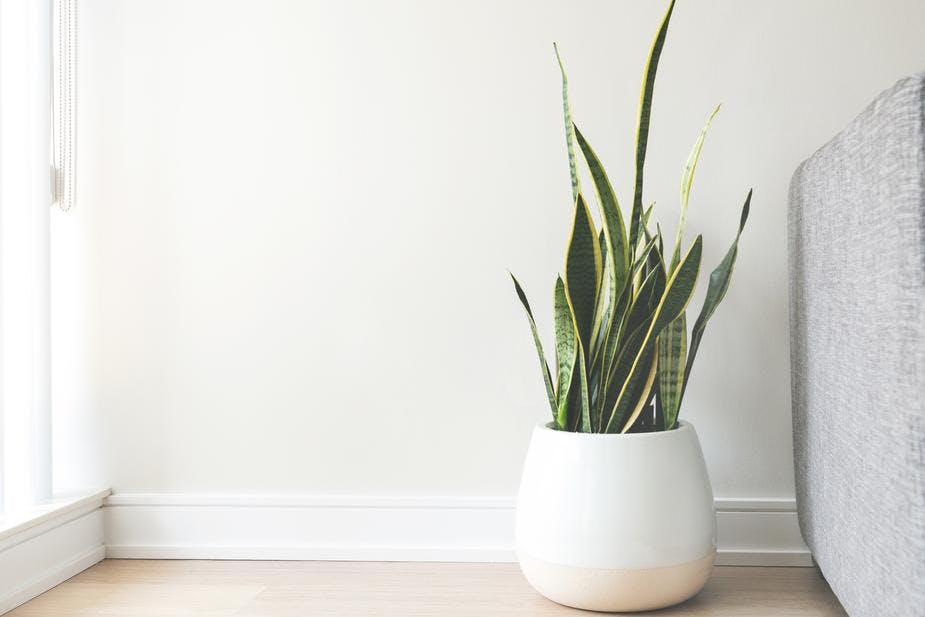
x=857 y=316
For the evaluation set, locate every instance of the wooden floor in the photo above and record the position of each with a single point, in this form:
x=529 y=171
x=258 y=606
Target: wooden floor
x=126 y=588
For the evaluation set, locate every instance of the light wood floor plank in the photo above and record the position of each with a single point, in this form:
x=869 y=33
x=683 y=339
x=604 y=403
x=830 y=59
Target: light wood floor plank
x=137 y=588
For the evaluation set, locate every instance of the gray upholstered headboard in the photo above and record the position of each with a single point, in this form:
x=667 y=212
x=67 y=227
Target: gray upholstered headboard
x=857 y=317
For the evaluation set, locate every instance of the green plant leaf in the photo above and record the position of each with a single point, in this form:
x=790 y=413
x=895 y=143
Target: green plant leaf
x=611 y=217
x=647 y=215
x=661 y=247
x=583 y=271
x=615 y=251
x=633 y=309
x=678 y=292
x=604 y=306
x=679 y=289
x=619 y=409
x=644 y=255
x=645 y=236
x=608 y=356
x=687 y=177
x=544 y=366
x=569 y=128
x=632 y=333
x=642 y=127
x=566 y=352
x=672 y=353
x=716 y=291
x=584 y=402
x=644 y=395
x=644 y=302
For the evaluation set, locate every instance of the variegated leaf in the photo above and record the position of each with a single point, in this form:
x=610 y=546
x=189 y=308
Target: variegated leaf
x=616 y=253
x=716 y=291
x=584 y=402
x=635 y=383
x=566 y=352
x=611 y=217
x=614 y=412
x=644 y=395
x=642 y=127
x=583 y=271
x=672 y=354
x=544 y=366
x=687 y=177
x=644 y=302
x=678 y=292
x=569 y=128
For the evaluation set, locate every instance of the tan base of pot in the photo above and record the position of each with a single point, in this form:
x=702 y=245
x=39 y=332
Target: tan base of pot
x=617 y=590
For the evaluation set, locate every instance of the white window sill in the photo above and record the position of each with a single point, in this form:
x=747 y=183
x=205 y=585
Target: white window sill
x=47 y=544
x=17 y=526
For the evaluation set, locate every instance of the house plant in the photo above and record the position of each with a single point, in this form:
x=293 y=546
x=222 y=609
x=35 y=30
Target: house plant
x=615 y=509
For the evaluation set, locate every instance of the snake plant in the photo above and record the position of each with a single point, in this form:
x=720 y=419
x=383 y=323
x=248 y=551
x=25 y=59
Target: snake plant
x=623 y=357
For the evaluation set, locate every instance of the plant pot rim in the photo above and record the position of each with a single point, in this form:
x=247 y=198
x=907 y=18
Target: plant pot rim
x=683 y=427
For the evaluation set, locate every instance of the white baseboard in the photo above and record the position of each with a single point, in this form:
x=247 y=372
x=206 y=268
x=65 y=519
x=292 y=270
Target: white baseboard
x=759 y=532
x=41 y=551
x=294 y=527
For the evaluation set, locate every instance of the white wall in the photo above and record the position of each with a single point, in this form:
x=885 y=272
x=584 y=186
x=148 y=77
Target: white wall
x=286 y=271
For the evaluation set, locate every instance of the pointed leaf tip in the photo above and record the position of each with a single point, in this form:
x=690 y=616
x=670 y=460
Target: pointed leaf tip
x=745 y=208
x=569 y=128
x=642 y=125
x=716 y=291
x=687 y=179
x=544 y=366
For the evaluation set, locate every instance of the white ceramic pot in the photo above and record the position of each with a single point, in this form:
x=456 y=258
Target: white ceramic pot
x=616 y=522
